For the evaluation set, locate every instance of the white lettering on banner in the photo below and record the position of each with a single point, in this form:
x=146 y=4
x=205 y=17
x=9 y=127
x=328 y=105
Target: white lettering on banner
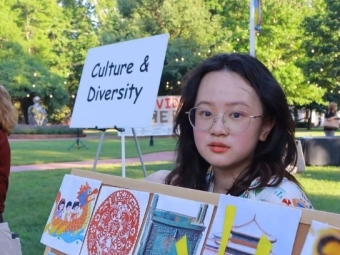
x=162 y=120
x=165 y=110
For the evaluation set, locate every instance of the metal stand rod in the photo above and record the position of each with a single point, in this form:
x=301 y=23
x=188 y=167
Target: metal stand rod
x=98 y=150
x=122 y=130
x=122 y=141
x=252 y=29
x=139 y=152
x=123 y=152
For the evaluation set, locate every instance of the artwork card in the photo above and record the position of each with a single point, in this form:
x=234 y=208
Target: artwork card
x=116 y=222
x=322 y=239
x=69 y=218
x=253 y=220
x=169 y=219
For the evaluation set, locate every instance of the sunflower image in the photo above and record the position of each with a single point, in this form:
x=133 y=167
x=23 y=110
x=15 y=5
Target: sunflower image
x=327 y=242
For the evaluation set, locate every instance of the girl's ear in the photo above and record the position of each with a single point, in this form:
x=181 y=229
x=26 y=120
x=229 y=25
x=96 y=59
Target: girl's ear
x=266 y=128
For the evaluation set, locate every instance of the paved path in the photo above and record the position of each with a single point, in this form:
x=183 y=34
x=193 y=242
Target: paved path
x=159 y=156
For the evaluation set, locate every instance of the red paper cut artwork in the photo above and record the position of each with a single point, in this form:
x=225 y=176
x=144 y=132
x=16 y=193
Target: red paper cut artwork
x=114 y=226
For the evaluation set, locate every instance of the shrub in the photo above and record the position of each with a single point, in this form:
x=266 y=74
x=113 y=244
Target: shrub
x=303 y=125
x=49 y=129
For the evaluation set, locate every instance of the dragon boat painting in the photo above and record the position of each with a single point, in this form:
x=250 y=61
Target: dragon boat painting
x=70 y=215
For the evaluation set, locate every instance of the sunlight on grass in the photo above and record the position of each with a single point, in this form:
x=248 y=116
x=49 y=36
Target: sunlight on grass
x=31 y=195
x=34 y=193
x=303 y=132
x=36 y=152
x=133 y=171
x=322 y=185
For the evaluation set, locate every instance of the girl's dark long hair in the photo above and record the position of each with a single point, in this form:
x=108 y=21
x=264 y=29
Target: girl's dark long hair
x=274 y=157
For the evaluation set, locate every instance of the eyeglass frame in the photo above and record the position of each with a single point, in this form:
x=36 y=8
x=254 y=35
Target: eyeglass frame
x=223 y=119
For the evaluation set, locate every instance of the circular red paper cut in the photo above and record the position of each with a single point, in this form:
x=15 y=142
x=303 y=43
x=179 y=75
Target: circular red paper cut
x=114 y=226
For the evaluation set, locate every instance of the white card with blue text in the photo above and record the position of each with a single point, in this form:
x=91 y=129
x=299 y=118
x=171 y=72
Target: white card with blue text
x=119 y=84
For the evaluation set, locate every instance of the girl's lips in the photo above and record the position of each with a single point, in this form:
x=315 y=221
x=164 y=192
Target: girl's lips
x=218 y=147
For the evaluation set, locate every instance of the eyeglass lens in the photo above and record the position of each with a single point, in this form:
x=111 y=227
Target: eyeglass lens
x=233 y=121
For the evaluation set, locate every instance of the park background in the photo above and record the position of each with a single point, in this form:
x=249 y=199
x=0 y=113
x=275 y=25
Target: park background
x=31 y=193
x=43 y=45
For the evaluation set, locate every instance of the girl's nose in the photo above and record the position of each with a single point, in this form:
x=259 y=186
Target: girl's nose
x=218 y=127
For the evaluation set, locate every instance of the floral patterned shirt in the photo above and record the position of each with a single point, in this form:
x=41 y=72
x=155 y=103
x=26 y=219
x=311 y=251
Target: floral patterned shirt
x=286 y=193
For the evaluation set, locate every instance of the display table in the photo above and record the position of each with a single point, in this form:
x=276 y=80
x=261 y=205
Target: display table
x=321 y=151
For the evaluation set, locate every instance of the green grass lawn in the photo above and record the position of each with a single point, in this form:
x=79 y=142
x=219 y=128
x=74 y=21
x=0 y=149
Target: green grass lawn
x=301 y=132
x=31 y=195
x=48 y=151
x=322 y=185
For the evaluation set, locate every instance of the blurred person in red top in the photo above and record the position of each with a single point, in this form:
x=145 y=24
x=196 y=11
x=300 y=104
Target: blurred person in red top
x=9 y=241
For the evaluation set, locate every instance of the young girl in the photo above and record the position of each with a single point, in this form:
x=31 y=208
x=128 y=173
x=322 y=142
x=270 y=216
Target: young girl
x=60 y=209
x=235 y=133
x=9 y=242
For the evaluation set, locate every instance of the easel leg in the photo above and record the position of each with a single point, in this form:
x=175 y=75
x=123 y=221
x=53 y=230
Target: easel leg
x=98 y=150
x=122 y=148
x=139 y=152
x=123 y=153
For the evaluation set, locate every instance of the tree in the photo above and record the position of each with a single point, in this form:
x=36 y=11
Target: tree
x=8 y=27
x=78 y=37
x=27 y=77
x=279 y=47
x=194 y=33
x=322 y=47
x=279 y=43
x=30 y=65
x=234 y=18
x=41 y=24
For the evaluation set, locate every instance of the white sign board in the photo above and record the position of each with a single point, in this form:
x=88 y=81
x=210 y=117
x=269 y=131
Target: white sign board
x=119 y=84
x=162 y=119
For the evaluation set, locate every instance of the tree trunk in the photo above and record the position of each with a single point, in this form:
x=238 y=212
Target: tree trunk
x=25 y=103
x=309 y=123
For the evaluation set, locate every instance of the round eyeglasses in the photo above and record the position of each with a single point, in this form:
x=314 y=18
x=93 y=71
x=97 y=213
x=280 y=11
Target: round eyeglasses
x=235 y=122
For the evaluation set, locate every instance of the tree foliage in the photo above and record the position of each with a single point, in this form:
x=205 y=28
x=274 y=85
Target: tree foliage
x=279 y=46
x=78 y=36
x=43 y=43
x=322 y=48
x=28 y=77
x=194 y=33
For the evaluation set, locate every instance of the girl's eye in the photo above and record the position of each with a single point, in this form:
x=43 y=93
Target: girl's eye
x=205 y=113
x=236 y=115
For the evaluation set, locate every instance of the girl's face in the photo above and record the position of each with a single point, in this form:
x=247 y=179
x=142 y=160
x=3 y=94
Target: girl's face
x=223 y=91
x=61 y=206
